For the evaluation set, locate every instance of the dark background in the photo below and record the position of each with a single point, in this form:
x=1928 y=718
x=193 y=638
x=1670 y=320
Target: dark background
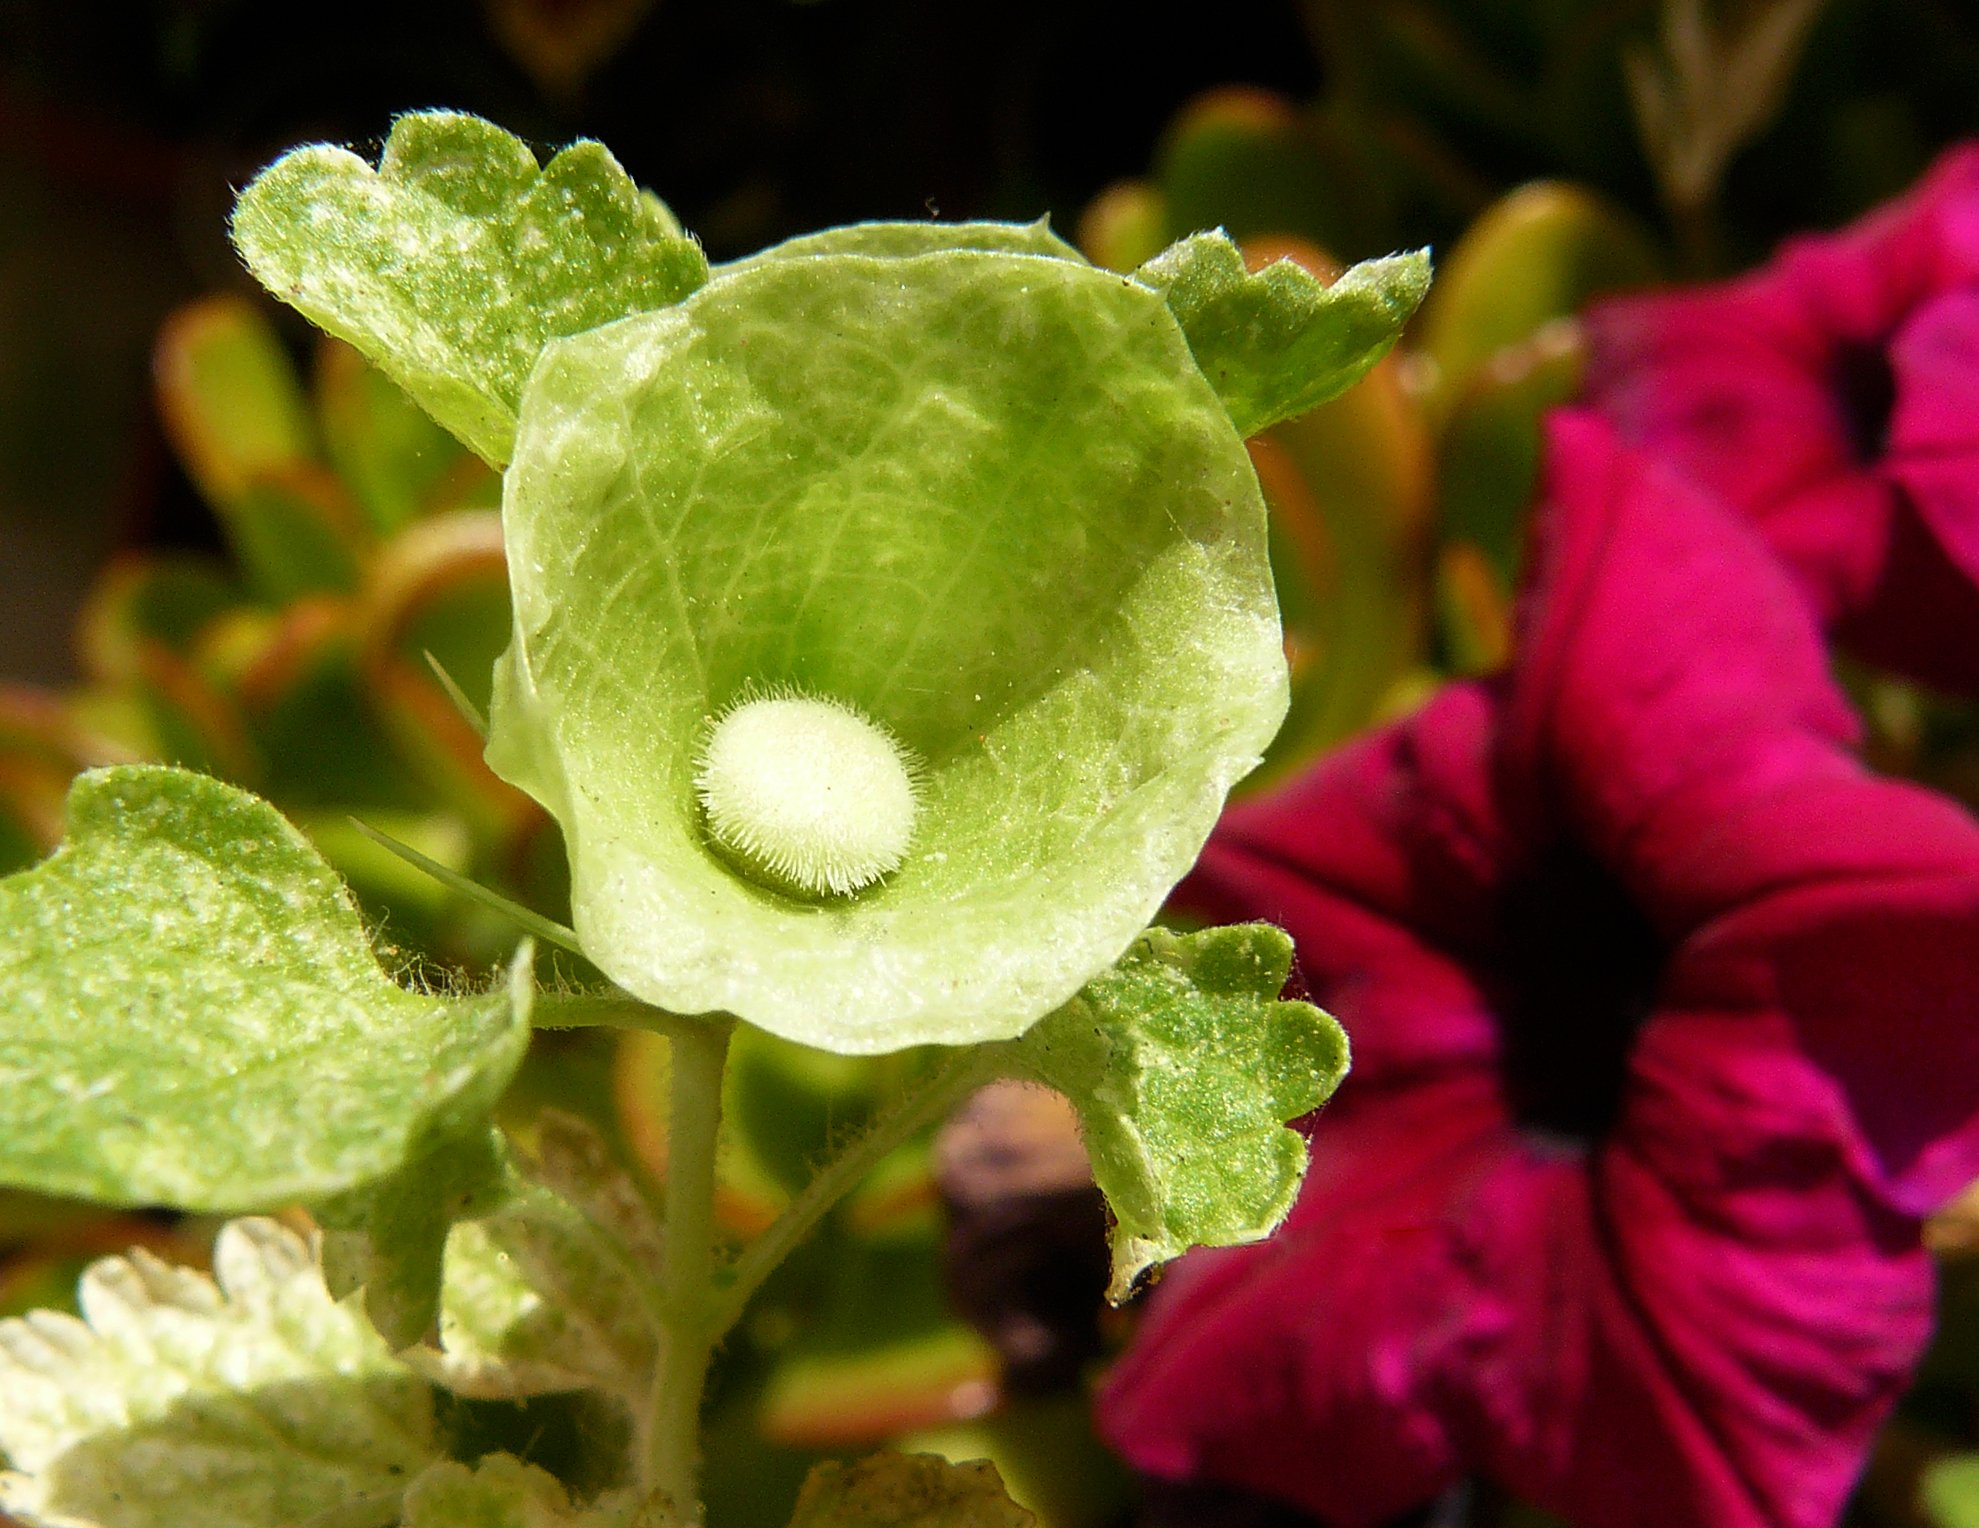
x=126 y=128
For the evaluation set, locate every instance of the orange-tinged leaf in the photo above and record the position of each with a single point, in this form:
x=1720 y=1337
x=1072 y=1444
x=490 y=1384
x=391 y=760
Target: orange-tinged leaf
x=1536 y=255
x=229 y=396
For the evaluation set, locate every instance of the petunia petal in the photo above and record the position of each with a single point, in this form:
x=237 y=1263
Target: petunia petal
x=1920 y=614
x=1829 y=398
x=1934 y=438
x=1665 y=666
x=1697 y=1317
x=1383 y=862
x=1312 y=1367
x=1747 y=1316
x=1868 y=939
x=1728 y=384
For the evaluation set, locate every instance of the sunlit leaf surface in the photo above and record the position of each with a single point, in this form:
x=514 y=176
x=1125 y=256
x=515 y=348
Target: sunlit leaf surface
x=195 y=1016
x=1185 y=1067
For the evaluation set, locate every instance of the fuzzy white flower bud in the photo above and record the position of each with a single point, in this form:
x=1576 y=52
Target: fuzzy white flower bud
x=807 y=793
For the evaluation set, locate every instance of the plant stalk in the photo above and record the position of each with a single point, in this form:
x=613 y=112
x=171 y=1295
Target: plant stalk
x=673 y=1420
x=966 y=1069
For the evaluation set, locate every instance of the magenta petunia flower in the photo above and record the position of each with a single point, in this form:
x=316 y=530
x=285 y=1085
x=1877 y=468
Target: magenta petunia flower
x=1833 y=396
x=1665 y=1018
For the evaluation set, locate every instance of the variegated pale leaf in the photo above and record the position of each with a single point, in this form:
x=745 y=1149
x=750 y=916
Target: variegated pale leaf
x=246 y=1400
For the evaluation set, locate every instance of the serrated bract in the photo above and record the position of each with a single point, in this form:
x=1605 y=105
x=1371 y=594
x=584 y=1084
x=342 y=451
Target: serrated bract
x=455 y=259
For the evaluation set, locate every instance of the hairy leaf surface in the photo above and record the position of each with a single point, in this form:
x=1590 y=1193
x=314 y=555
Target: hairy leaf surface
x=1185 y=1067
x=390 y=1237
x=901 y=240
x=452 y=262
x=1282 y=341
x=553 y=1291
x=194 y=1015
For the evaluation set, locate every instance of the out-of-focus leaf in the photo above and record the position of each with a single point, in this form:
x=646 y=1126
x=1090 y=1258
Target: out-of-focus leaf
x=750 y=1188
x=398 y=463
x=1126 y=225
x=237 y=417
x=1488 y=451
x=560 y=42
x=229 y=397
x=1536 y=255
x=1050 y=1460
x=296 y=532
x=882 y=1352
x=441 y=588
x=139 y=601
x=438 y=593
x=139 y=631
x=907 y=1491
x=47 y=1244
x=1474 y=608
x=1954 y=1230
x=883 y=1355
x=1244 y=159
x=1950 y=1495
x=414 y=908
x=117 y=1420
x=299 y=687
x=43 y=745
x=500 y=1491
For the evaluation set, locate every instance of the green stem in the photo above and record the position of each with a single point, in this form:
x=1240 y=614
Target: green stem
x=963 y=1072
x=609 y=1010
x=546 y=929
x=673 y=1420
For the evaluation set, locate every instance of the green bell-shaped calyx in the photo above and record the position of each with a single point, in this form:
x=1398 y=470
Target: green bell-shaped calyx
x=977 y=521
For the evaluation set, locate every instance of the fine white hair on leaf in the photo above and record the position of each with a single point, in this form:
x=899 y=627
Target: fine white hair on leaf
x=807 y=792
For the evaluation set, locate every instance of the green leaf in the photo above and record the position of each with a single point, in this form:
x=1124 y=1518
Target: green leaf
x=1279 y=342
x=1950 y=1492
x=254 y=1401
x=398 y=462
x=985 y=499
x=194 y=1015
x=907 y=1491
x=229 y=398
x=452 y=262
x=1537 y=254
x=553 y=1291
x=899 y=241
x=1185 y=1068
x=390 y=1237
x=500 y=1491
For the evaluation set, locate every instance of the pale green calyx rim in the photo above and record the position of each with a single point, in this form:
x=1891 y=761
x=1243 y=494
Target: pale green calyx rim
x=982 y=497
